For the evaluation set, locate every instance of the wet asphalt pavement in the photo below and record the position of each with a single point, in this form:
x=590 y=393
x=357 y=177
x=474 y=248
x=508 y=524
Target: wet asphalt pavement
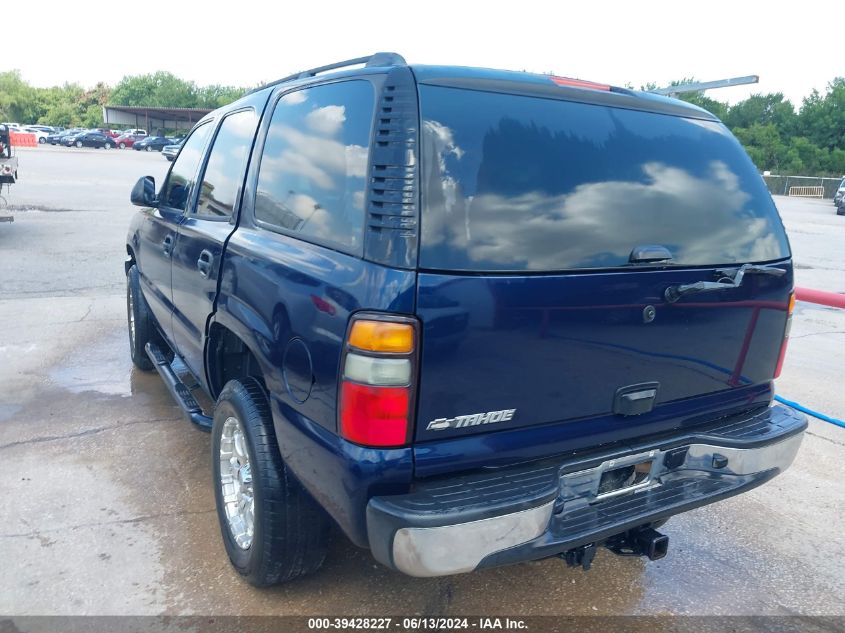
x=108 y=505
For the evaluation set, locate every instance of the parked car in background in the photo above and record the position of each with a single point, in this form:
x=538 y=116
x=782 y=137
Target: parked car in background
x=40 y=135
x=170 y=151
x=59 y=137
x=839 y=196
x=152 y=144
x=108 y=132
x=128 y=140
x=93 y=138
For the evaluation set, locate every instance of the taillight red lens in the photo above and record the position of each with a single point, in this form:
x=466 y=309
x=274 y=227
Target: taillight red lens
x=374 y=416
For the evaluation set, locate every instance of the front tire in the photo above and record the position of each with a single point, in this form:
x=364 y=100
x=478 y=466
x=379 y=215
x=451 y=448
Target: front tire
x=122 y=146
x=79 y=143
x=140 y=322
x=42 y=140
x=272 y=529
x=107 y=145
x=149 y=148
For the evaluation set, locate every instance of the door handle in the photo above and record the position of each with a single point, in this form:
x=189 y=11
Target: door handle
x=167 y=245
x=205 y=262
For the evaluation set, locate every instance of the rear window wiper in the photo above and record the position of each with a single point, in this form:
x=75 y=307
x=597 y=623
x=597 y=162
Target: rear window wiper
x=728 y=278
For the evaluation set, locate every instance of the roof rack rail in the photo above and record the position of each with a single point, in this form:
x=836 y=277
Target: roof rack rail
x=376 y=59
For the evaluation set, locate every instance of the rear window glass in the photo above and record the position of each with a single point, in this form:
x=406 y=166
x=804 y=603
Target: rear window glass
x=516 y=183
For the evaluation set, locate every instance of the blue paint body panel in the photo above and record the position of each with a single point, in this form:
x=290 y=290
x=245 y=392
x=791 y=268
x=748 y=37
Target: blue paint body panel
x=277 y=289
x=556 y=347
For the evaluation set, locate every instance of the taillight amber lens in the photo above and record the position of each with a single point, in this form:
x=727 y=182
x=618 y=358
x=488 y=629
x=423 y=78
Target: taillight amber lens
x=382 y=336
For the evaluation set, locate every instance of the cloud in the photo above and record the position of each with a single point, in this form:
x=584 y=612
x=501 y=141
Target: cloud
x=602 y=221
x=327 y=121
x=294 y=98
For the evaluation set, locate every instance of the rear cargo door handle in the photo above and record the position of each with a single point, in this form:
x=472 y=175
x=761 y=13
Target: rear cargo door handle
x=204 y=263
x=167 y=245
x=635 y=399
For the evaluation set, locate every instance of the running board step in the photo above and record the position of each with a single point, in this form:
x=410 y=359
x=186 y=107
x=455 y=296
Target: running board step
x=178 y=389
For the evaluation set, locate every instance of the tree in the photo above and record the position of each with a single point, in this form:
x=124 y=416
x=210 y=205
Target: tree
x=822 y=118
x=216 y=96
x=713 y=106
x=764 y=144
x=160 y=89
x=836 y=162
x=763 y=110
x=17 y=98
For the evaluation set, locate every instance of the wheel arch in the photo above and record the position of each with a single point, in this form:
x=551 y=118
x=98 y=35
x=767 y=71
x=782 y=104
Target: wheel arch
x=228 y=356
x=131 y=260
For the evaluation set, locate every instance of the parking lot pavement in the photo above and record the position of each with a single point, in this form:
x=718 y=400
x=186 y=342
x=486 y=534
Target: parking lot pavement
x=108 y=501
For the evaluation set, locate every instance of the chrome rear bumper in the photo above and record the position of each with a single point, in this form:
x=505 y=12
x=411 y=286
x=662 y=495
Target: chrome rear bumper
x=531 y=513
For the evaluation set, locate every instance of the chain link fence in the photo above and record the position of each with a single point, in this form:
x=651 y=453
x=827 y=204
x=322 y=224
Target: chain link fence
x=780 y=185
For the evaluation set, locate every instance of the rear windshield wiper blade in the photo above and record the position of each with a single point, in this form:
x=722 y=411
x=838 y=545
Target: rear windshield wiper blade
x=728 y=278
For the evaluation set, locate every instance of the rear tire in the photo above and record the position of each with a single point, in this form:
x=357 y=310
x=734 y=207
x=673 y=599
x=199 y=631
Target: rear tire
x=42 y=140
x=289 y=534
x=140 y=322
x=107 y=145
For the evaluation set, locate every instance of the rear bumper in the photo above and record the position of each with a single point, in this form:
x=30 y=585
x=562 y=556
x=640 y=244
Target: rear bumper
x=508 y=515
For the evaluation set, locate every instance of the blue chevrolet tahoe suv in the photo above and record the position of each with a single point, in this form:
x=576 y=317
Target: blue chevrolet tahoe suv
x=471 y=317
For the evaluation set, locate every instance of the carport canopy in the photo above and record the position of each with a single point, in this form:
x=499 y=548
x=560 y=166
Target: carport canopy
x=152 y=119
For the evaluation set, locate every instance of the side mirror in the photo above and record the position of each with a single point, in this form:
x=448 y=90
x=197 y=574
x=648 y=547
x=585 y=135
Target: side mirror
x=144 y=192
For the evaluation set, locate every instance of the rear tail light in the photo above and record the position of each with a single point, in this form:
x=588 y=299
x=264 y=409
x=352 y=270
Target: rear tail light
x=377 y=383
x=785 y=342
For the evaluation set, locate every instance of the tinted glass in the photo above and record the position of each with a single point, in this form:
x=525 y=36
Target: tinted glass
x=523 y=183
x=224 y=171
x=313 y=169
x=178 y=186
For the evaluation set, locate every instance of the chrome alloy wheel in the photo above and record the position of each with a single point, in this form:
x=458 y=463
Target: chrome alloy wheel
x=236 y=483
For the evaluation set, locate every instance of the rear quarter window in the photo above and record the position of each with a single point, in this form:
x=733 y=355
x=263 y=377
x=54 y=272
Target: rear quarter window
x=312 y=176
x=519 y=183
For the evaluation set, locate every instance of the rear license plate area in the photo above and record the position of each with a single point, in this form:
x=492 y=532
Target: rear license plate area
x=624 y=478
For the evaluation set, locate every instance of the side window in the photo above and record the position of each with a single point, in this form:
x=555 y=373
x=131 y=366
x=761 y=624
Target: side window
x=224 y=171
x=313 y=168
x=175 y=192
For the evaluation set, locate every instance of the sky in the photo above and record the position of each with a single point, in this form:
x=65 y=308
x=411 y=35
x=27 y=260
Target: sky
x=243 y=43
